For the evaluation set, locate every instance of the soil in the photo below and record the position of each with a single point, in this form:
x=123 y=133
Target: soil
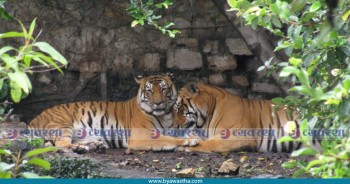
x=145 y=164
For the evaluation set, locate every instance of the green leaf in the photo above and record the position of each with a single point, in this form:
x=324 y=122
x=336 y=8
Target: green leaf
x=288 y=70
x=165 y=5
x=5 y=166
x=4 y=90
x=302 y=89
x=134 y=23
x=298 y=43
x=283 y=45
x=288 y=165
x=346 y=84
x=41 y=58
x=275 y=9
x=313 y=163
x=30 y=175
x=10 y=61
x=171 y=34
x=254 y=23
x=25 y=33
x=261 y=68
x=45 y=47
x=4 y=14
x=232 y=3
x=344 y=107
x=39 y=162
x=299 y=173
x=315 y=6
x=168 y=24
x=5 y=174
x=298 y=5
x=252 y=9
x=159 y=5
x=285 y=139
x=31 y=29
x=278 y=101
x=303 y=77
x=16 y=91
x=295 y=61
x=6 y=49
x=1 y=83
x=275 y=21
x=12 y=35
x=293 y=18
x=346 y=15
x=303 y=152
x=22 y=80
x=278 y=32
x=33 y=175
x=27 y=60
x=40 y=151
x=5 y=152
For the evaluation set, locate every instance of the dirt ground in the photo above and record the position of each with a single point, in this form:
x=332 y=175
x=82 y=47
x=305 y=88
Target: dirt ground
x=146 y=164
x=141 y=164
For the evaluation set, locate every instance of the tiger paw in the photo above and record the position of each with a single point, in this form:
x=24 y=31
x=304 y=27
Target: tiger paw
x=89 y=146
x=182 y=149
x=80 y=149
x=190 y=142
x=101 y=147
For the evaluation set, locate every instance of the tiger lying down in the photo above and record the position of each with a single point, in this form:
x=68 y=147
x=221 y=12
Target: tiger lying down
x=134 y=121
x=231 y=123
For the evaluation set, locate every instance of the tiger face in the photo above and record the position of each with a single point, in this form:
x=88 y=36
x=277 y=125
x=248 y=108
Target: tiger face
x=190 y=108
x=157 y=94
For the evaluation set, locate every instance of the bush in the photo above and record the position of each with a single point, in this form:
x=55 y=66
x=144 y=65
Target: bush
x=315 y=37
x=143 y=11
x=63 y=167
x=16 y=161
x=17 y=63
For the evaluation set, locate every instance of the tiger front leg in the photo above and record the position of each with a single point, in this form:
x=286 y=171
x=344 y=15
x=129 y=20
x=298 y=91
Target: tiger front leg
x=217 y=144
x=66 y=144
x=159 y=143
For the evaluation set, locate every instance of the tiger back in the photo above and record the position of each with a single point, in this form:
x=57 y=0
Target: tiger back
x=232 y=123
x=131 y=124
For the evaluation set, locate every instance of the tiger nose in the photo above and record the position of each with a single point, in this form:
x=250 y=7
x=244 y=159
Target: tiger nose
x=157 y=103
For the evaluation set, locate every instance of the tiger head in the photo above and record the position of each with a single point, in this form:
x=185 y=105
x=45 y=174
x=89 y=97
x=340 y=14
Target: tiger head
x=192 y=106
x=157 y=94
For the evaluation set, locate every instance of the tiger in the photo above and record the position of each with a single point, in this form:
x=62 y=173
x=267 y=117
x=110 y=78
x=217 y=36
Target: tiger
x=148 y=113
x=227 y=120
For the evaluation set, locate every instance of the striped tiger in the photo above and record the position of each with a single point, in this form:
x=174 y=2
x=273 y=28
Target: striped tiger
x=232 y=123
x=128 y=124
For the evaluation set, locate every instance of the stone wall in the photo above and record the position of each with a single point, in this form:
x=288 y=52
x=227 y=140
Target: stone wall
x=105 y=53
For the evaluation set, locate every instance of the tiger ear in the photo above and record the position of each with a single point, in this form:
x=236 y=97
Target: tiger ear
x=192 y=86
x=170 y=75
x=139 y=78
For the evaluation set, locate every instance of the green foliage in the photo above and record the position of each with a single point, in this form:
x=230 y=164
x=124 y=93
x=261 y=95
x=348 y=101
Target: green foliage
x=31 y=143
x=35 y=142
x=17 y=161
x=15 y=64
x=3 y=13
x=143 y=11
x=63 y=167
x=178 y=165
x=319 y=67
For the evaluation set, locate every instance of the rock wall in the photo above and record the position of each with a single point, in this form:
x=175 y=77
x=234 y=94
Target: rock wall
x=105 y=53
